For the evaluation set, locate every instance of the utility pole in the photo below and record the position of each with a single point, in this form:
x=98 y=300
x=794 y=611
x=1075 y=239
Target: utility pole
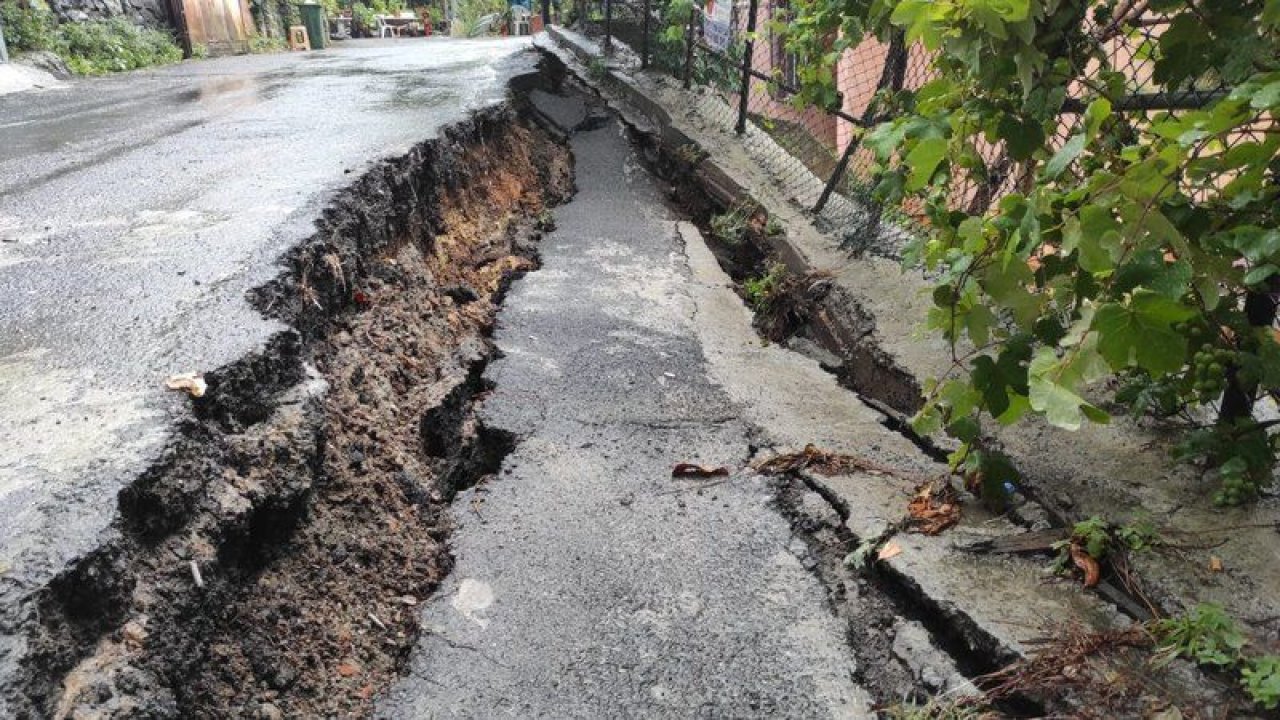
x=4 y=51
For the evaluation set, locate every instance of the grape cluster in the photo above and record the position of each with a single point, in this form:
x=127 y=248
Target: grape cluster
x=1209 y=366
x=1238 y=486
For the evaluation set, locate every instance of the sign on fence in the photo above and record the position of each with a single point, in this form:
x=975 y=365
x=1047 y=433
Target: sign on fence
x=717 y=24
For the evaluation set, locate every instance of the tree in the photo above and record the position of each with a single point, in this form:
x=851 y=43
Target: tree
x=1133 y=227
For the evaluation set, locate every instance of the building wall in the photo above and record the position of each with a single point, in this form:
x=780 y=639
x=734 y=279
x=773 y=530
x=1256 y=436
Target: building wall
x=151 y=13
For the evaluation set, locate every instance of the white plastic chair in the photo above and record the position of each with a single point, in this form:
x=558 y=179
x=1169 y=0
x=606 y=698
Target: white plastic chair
x=385 y=29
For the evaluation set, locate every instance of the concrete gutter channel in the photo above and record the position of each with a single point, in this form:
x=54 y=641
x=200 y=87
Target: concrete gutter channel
x=983 y=609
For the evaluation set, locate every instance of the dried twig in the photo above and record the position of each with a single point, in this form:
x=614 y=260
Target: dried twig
x=826 y=463
x=1064 y=657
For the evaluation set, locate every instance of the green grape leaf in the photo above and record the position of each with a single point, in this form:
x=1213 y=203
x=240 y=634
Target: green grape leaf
x=923 y=160
x=1140 y=333
x=1022 y=136
x=1053 y=382
x=1096 y=114
x=1099 y=239
x=1258 y=274
x=1062 y=159
x=1149 y=269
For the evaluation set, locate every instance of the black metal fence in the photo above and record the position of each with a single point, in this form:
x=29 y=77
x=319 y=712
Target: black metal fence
x=746 y=80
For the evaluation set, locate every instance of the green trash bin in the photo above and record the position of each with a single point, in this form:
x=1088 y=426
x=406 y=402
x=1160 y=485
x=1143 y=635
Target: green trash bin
x=316 y=23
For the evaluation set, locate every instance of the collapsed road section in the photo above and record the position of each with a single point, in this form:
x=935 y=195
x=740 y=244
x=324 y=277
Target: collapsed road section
x=272 y=558
x=285 y=555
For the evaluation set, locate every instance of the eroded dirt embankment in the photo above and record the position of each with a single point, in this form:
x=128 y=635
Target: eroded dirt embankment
x=271 y=562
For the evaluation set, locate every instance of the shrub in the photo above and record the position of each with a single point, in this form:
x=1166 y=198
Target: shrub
x=1206 y=635
x=469 y=13
x=364 y=18
x=97 y=48
x=262 y=44
x=30 y=28
x=761 y=291
x=1261 y=679
x=89 y=48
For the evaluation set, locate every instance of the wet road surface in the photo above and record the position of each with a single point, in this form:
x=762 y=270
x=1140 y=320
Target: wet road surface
x=135 y=213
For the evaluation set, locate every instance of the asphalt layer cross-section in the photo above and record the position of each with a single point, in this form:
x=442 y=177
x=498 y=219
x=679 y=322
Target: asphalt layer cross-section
x=589 y=582
x=135 y=213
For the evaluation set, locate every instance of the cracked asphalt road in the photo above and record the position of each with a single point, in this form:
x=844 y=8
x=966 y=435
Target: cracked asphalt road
x=590 y=583
x=135 y=213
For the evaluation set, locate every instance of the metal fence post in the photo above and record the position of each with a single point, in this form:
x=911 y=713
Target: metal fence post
x=688 y=49
x=608 y=26
x=892 y=77
x=644 y=41
x=836 y=174
x=749 y=51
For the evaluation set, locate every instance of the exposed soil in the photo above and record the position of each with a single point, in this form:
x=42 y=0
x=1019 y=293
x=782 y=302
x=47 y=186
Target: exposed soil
x=320 y=631
x=271 y=563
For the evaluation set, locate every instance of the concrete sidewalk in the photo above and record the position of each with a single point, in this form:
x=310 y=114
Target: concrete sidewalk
x=1124 y=471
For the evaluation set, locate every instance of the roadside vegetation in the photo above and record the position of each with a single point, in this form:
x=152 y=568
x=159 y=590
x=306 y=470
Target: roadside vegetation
x=1097 y=245
x=1137 y=246
x=89 y=48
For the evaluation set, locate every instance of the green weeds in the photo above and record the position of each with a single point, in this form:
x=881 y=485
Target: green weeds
x=760 y=291
x=1209 y=636
x=90 y=48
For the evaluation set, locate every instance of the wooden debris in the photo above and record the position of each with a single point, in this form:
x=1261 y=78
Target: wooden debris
x=822 y=461
x=691 y=470
x=934 y=508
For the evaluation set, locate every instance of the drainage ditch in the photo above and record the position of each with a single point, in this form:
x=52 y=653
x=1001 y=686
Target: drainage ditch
x=274 y=557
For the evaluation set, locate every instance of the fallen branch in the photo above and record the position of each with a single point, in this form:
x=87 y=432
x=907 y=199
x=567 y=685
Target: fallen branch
x=826 y=463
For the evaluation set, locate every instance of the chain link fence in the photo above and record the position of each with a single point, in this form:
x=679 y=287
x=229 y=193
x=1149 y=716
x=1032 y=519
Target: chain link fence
x=734 y=55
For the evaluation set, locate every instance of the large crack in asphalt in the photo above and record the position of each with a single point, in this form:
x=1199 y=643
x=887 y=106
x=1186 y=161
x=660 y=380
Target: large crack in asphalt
x=272 y=561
